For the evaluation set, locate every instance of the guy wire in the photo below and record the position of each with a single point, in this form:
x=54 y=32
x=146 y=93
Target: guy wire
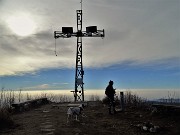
x=55 y=48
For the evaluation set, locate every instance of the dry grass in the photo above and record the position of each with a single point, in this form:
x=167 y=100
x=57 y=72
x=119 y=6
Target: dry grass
x=58 y=98
x=130 y=100
x=8 y=97
x=94 y=98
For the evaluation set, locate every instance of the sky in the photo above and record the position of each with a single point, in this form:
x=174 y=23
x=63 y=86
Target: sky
x=140 y=49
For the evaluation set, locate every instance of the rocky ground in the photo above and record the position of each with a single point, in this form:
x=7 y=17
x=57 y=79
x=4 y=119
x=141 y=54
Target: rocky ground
x=51 y=119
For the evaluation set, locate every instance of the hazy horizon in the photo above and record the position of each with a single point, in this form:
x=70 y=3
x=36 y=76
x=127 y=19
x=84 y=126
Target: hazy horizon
x=149 y=94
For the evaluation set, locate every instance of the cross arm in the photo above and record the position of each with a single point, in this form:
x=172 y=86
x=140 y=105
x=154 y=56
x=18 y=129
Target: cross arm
x=60 y=34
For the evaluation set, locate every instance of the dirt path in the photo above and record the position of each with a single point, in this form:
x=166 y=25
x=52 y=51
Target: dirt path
x=49 y=120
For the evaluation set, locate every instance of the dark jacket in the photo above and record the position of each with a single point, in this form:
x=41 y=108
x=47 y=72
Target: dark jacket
x=110 y=91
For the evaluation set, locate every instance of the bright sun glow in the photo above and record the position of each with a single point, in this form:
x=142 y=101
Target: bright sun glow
x=21 y=25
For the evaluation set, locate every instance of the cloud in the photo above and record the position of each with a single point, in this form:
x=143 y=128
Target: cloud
x=144 y=33
x=43 y=86
x=46 y=86
x=38 y=87
x=141 y=32
x=29 y=54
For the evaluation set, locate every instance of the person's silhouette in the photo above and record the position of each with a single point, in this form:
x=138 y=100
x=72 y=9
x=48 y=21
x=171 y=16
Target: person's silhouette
x=110 y=92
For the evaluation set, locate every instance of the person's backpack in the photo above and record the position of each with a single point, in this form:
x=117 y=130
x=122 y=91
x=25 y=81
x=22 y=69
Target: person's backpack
x=107 y=92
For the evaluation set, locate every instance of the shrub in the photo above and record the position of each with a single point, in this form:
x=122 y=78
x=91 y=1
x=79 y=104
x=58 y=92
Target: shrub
x=105 y=100
x=5 y=119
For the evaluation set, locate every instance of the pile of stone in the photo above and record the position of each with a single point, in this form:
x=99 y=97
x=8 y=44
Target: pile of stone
x=148 y=127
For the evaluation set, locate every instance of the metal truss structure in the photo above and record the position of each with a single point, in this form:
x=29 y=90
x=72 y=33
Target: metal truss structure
x=67 y=32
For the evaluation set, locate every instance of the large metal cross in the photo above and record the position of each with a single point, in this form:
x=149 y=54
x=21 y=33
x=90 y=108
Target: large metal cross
x=67 y=32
